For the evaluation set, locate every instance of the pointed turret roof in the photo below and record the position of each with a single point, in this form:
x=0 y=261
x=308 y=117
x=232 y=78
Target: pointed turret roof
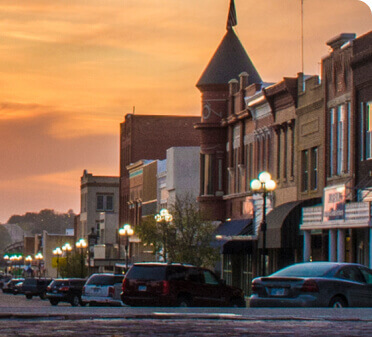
x=230 y=59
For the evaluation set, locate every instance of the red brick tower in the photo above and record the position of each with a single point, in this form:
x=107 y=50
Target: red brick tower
x=229 y=60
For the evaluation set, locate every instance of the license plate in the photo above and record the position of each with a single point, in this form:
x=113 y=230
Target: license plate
x=277 y=292
x=142 y=288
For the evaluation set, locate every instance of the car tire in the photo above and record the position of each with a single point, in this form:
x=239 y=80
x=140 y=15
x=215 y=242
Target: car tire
x=237 y=303
x=338 y=302
x=43 y=295
x=53 y=302
x=29 y=297
x=83 y=304
x=184 y=302
x=75 y=301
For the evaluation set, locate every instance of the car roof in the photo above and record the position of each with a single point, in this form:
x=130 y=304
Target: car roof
x=163 y=264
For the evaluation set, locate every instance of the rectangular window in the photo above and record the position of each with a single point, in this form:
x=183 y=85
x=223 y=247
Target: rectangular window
x=220 y=168
x=331 y=141
x=105 y=202
x=278 y=157
x=340 y=139
x=305 y=172
x=285 y=159
x=362 y=145
x=368 y=120
x=208 y=174
x=314 y=169
x=348 y=137
x=100 y=202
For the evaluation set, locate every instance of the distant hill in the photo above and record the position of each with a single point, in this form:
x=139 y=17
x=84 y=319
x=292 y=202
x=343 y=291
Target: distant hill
x=47 y=219
x=5 y=238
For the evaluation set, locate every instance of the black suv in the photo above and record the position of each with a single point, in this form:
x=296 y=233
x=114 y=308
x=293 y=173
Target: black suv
x=66 y=290
x=35 y=287
x=161 y=284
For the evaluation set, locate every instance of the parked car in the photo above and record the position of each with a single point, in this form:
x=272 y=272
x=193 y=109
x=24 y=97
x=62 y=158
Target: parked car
x=315 y=284
x=9 y=287
x=102 y=289
x=35 y=287
x=18 y=288
x=66 y=290
x=162 y=284
x=4 y=279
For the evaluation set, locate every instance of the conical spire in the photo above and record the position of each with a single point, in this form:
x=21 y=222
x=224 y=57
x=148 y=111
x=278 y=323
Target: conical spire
x=231 y=18
x=230 y=58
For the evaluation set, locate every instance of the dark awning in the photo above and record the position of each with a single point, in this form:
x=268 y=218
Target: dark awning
x=235 y=236
x=283 y=224
x=234 y=228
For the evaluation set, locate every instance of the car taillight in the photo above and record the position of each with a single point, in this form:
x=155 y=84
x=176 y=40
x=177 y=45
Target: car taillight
x=49 y=289
x=165 y=287
x=111 y=291
x=310 y=286
x=64 y=289
x=124 y=285
x=255 y=287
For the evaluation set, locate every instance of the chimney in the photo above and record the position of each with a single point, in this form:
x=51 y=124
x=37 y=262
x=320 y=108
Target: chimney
x=233 y=86
x=243 y=80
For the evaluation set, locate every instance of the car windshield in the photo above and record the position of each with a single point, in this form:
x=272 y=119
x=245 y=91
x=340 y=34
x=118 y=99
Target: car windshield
x=105 y=280
x=146 y=273
x=305 y=270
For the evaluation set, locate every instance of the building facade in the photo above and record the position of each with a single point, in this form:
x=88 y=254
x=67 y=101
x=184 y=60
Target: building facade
x=344 y=217
x=147 y=137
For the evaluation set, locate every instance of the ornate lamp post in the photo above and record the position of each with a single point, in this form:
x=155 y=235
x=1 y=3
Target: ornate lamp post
x=126 y=231
x=163 y=218
x=58 y=253
x=263 y=185
x=81 y=244
x=39 y=257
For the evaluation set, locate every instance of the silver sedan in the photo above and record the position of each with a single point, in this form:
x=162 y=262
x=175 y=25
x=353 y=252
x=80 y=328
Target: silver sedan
x=315 y=284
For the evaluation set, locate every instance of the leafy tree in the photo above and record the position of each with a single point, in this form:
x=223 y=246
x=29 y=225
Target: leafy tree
x=72 y=266
x=46 y=219
x=186 y=239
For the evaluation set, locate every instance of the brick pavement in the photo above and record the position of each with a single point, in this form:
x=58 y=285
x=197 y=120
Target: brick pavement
x=183 y=327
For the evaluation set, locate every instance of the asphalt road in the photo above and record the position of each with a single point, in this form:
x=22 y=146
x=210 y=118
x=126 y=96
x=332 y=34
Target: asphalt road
x=22 y=317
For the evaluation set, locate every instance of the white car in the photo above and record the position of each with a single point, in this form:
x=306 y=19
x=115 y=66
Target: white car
x=102 y=289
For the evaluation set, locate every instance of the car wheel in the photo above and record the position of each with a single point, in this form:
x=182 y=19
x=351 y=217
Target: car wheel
x=29 y=297
x=43 y=295
x=53 y=302
x=75 y=301
x=338 y=302
x=184 y=302
x=83 y=304
x=237 y=303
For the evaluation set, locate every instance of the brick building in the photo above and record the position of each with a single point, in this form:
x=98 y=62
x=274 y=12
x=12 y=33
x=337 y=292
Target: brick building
x=344 y=217
x=146 y=137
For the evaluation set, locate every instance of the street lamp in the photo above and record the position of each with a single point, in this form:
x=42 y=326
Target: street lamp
x=126 y=231
x=39 y=257
x=6 y=258
x=81 y=244
x=163 y=218
x=263 y=184
x=66 y=248
x=58 y=253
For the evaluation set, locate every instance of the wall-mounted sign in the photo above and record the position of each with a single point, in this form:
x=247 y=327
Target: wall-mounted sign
x=334 y=203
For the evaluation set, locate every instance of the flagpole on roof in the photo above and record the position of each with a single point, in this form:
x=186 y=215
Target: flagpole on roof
x=231 y=18
x=302 y=36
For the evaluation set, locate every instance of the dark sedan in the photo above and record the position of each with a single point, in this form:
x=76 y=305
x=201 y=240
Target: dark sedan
x=315 y=284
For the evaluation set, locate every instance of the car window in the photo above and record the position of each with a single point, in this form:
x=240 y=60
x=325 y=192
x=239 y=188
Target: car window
x=209 y=278
x=103 y=280
x=176 y=273
x=350 y=273
x=367 y=275
x=305 y=270
x=195 y=275
x=146 y=273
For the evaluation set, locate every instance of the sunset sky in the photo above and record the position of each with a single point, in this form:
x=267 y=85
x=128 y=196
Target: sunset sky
x=70 y=70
